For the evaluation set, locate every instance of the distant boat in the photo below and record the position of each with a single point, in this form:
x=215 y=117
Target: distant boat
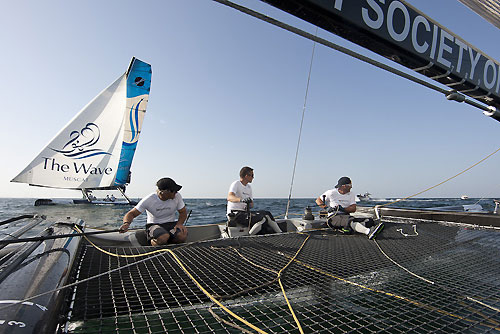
x=363 y=197
x=464 y=197
x=94 y=151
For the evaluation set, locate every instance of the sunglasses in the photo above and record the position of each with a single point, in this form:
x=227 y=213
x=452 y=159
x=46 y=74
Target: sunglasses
x=165 y=191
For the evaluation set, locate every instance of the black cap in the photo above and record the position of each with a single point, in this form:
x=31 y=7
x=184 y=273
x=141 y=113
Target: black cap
x=167 y=183
x=343 y=180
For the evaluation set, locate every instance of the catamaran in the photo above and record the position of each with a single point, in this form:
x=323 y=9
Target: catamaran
x=427 y=272
x=94 y=151
x=363 y=197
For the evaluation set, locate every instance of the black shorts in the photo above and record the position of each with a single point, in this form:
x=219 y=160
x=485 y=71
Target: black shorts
x=241 y=218
x=154 y=231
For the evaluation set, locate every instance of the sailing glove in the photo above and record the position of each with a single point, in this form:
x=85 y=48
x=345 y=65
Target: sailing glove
x=338 y=208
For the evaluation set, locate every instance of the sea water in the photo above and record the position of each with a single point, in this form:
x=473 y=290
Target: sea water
x=203 y=211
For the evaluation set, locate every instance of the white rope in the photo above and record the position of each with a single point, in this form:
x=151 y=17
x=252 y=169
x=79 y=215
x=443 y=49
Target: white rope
x=400 y=266
x=484 y=304
x=431 y=282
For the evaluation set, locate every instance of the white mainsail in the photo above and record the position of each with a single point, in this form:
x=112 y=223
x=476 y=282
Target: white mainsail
x=98 y=144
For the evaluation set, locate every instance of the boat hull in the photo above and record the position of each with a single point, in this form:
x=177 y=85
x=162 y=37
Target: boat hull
x=35 y=269
x=47 y=201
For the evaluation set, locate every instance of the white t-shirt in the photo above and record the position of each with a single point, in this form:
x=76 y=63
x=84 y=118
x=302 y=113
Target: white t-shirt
x=159 y=211
x=240 y=191
x=334 y=198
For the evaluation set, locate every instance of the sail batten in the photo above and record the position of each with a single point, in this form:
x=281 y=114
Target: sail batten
x=88 y=152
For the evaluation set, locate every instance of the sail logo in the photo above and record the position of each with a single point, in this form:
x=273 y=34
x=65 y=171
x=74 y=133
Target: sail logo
x=80 y=145
x=53 y=165
x=139 y=81
x=134 y=122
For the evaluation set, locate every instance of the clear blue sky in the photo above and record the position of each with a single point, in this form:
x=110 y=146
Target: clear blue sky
x=228 y=91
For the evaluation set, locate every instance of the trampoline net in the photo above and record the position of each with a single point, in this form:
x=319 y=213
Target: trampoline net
x=336 y=284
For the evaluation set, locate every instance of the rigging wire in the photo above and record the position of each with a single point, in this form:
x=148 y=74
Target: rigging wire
x=434 y=283
x=450 y=94
x=300 y=129
x=440 y=183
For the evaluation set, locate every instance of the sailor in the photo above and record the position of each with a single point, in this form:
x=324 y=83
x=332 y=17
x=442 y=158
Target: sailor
x=161 y=207
x=340 y=202
x=239 y=203
x=112 y=198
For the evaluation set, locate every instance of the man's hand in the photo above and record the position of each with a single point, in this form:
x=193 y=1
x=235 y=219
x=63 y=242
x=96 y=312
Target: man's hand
x=124 y=227
x=246 y=200
x=338 y=208
x=181 y=228
x=180 y=232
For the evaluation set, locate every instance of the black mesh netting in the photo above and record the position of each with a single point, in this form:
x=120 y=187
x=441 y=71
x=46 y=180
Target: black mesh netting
x=336 y=284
